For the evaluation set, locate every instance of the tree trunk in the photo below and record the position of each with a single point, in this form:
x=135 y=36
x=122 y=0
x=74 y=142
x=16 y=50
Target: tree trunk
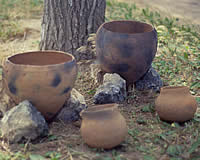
x=66 y=24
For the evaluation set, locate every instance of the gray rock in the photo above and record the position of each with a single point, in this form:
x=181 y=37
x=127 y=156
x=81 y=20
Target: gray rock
x=151 y=80
x=72 y=108
x=23 y=122
x=113 y=90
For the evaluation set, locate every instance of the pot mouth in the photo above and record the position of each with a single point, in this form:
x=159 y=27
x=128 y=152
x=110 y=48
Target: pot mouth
x=182 y=89
x=99 y=108
x=174 y=87
x=128 y=27
x=40 y=58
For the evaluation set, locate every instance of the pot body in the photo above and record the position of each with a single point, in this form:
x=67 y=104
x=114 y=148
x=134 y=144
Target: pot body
x=175 y=104
x=103 y=126
x=45 y=78
x=126 y=47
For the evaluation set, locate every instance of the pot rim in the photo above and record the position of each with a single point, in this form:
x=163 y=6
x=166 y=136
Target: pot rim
x=99 y=108
x=39 y=68
x=139 y=22
x=166 y=89
x=174 y=87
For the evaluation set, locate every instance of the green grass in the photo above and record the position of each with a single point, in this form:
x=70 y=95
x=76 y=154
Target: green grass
x=178 y=56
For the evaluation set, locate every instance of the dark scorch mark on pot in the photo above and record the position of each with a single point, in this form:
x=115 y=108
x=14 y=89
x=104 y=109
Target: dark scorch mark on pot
x=66 y=90
x=56 y=81
x=148 y=55
x=11 y=85
x=119 y=68
x=69 y=65
x=125 y=50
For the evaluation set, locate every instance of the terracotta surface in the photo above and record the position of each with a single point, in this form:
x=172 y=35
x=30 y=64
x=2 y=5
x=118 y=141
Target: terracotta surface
x=45 y=78
x=175 y=104
x=126 y=47
x=103 y=126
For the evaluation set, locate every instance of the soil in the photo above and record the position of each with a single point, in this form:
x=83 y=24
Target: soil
x=187 y=10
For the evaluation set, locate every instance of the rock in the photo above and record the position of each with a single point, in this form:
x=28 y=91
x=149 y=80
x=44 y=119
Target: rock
x=113 y=90
x=88 y=51
x=72 y=108
x=151 y=80
x=23 y=122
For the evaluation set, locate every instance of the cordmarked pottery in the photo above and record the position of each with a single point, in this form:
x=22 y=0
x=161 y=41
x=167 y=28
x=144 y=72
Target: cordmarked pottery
x=175 y=104
x=126 y=47
x=103 y=126
x=45 y=78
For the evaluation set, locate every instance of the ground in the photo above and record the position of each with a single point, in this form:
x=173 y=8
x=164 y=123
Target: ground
x=187 y=10
x=148 y=137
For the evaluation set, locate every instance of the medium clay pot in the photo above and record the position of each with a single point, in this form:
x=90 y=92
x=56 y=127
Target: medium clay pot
x=103 y=126
x=175 y=104
x=45 y=78
x=126 y=47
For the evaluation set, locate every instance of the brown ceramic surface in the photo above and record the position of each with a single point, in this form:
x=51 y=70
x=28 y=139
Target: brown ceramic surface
x=43 y=77
x=103 y=126
x=126 y=47
x=175 y=104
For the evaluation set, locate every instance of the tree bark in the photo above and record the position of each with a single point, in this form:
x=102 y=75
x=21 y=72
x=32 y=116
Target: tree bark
x=66 y=24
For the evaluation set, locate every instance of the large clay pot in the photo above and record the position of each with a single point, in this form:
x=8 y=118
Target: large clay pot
x=103 y=126
x=45 y=78
x=126 y=47
x=175 y=104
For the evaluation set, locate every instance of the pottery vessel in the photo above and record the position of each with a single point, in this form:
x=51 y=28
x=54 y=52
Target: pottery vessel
x=103 y=126
x=126 y=47
x=175 y=104
x=45 y=78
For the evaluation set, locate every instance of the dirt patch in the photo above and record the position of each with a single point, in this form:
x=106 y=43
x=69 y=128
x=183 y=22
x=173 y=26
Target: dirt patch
x=186 y=10
x=28 y=41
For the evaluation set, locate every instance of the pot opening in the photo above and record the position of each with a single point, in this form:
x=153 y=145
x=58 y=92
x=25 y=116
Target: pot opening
x=97 y=108
x=130 y=27
x=41 y=58
x=174 y=87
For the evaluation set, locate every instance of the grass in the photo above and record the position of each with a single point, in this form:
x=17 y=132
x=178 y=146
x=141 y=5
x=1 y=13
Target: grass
x=149 y=138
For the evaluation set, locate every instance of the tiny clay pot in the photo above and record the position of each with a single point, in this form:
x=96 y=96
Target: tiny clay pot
x=45 y=78
x=175 y=104
x=103 y=126
x=126 y=47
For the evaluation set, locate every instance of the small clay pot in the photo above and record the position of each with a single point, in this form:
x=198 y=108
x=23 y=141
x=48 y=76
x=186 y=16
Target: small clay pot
x=175 y=104
x=103 y=126
x=126 y=47
x=45 y=78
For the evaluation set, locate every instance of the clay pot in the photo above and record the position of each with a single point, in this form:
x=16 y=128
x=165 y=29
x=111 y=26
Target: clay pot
x=45 y=78
x=175 y=104
x=126 y=47
x=103 y=126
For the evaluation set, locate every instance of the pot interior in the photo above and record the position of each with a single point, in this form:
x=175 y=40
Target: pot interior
x=130 y=27
x=40 y=58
